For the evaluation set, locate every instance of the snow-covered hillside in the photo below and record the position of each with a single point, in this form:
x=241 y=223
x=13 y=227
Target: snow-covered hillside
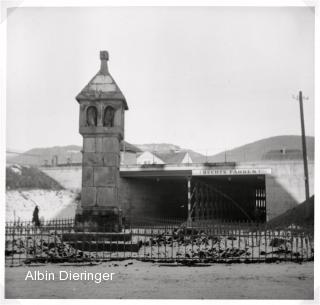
x=52 y=204
x=28 y=177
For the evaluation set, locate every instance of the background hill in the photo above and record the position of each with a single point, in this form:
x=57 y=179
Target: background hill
x=273 y=148
x=26 y=177
x=57 y=154
x=48 y=155
x=160 y=147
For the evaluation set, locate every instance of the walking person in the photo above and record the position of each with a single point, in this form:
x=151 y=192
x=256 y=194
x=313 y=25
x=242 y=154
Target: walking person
x=35 y=217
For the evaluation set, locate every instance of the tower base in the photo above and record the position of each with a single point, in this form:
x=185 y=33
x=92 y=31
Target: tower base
x=97 y=219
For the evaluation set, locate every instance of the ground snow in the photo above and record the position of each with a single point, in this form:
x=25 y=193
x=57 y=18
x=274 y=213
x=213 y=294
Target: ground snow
x=147 y=280
x=52 y=204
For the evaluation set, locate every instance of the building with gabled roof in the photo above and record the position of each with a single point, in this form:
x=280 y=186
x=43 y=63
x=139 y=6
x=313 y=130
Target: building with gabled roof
x=185 y=156
x=148 y=157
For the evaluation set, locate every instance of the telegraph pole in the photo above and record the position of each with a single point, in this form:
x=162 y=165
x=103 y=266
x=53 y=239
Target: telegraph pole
x=189 y=199
x=304 y=146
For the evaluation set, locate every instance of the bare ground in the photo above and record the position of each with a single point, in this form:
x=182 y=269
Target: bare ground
x=152 y=281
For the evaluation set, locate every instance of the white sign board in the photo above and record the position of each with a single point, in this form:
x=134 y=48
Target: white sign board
x=231 y=171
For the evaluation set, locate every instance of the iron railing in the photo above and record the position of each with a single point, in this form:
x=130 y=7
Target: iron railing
x=167 y=240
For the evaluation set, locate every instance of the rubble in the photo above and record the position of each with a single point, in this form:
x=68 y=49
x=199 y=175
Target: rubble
x=189 y=243
x=179 y=244
x=49 y=248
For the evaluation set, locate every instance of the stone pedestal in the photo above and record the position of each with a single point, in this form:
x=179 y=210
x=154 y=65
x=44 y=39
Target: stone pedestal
x=99 y=220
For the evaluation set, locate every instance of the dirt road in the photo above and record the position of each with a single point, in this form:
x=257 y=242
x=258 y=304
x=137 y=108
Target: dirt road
x=135 y=279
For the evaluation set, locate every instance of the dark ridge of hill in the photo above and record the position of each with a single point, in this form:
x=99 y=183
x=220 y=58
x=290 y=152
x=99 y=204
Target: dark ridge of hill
x=125 y=146
x=273 y=148
x=301 y=215
x=48 y=155
x=159 y=147
x=27 y=177
x=58 y=154
x=176 y=157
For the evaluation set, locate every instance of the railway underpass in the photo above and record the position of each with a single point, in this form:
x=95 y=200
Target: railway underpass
x=186 y=193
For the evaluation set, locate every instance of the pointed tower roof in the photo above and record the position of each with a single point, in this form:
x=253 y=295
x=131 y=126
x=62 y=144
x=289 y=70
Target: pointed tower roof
x=102 y=85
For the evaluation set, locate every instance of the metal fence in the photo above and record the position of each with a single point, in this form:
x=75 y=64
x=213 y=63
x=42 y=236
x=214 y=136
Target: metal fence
x=162 y=240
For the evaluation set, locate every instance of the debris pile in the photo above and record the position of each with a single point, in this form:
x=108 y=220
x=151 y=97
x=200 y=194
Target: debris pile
x=186 y=243
x=49 y=248
x=179 y=244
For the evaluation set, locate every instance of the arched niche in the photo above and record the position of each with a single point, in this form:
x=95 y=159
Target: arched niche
x=92 y=116
x=108 y=116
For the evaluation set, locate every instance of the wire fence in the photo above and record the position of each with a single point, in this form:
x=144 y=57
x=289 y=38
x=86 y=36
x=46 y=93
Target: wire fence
x=163 y=240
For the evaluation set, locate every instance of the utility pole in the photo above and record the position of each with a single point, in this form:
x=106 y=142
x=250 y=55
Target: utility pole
x=304 y=146
x=189 y=200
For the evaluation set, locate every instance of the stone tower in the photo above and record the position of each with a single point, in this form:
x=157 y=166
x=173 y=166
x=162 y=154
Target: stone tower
x=102 y=107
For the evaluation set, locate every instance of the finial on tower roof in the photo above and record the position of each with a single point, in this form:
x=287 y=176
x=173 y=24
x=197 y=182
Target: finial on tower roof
x=104 y=55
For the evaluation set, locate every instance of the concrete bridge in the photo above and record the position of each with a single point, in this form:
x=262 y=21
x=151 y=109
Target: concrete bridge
x=171 y=190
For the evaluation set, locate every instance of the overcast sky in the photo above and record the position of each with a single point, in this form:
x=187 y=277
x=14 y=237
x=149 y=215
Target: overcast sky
x=204 y=78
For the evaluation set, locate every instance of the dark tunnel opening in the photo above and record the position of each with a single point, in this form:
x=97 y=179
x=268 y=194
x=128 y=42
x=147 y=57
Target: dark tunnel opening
x=157 y=197
x=232 y=198
x=236 y=197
